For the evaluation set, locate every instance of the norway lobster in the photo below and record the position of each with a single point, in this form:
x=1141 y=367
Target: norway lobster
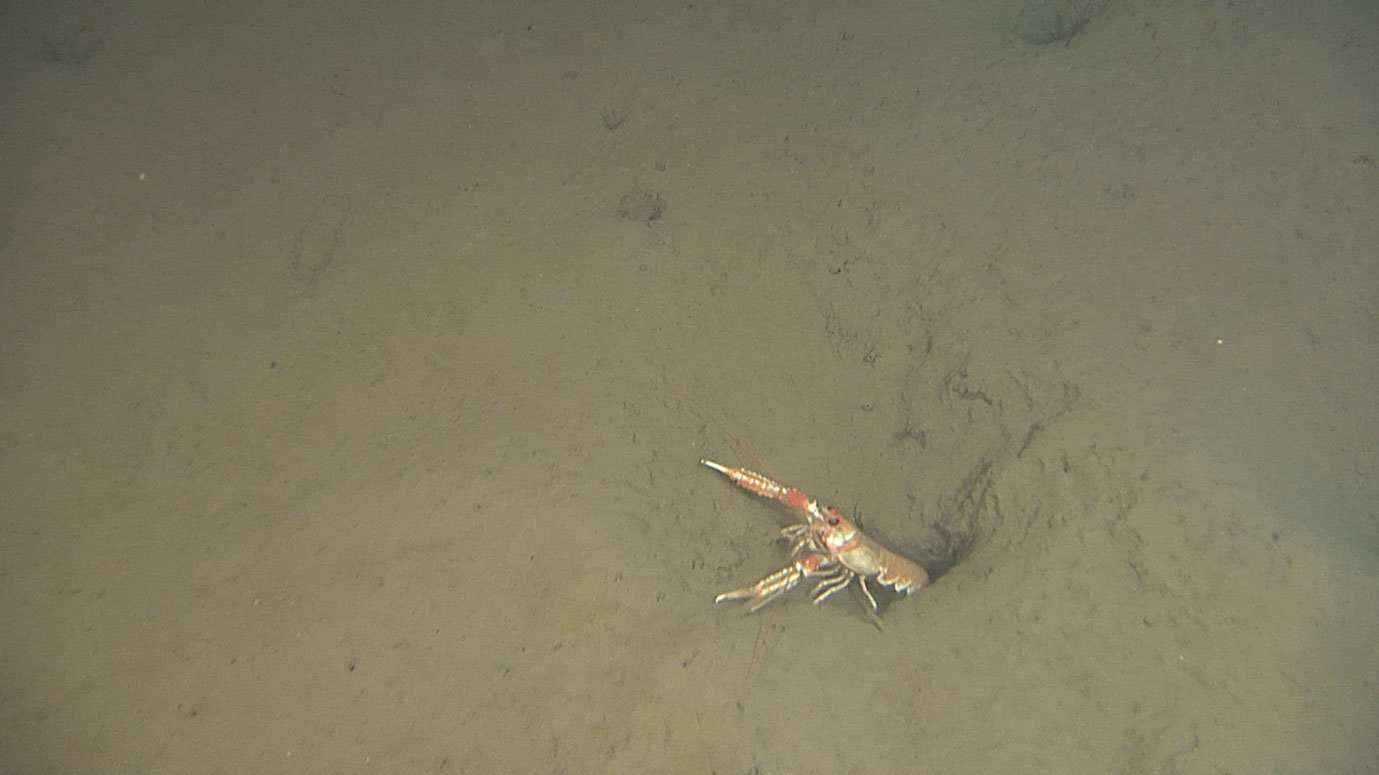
x=825 y=546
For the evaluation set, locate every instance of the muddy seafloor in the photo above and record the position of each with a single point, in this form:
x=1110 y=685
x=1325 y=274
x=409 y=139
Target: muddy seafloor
x=357 y=367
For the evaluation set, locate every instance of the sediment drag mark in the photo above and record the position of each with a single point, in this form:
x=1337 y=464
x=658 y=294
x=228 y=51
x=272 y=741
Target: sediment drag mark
x=317 y=241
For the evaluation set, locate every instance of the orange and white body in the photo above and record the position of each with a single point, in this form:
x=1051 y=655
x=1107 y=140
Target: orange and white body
x=825 y=546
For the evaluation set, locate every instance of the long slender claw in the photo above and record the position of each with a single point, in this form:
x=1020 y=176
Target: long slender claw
x=760 y=484
x=766 y=600
x=768 y=589
x=760 y=598
x=736 y=594
x=719 y=467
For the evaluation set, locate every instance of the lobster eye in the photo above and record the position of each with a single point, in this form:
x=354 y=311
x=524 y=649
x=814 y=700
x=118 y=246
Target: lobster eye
x=831 y=514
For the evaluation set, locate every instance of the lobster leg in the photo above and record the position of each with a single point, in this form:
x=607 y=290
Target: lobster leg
x=862 y=580
x=801 y=540
x=830 y=585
